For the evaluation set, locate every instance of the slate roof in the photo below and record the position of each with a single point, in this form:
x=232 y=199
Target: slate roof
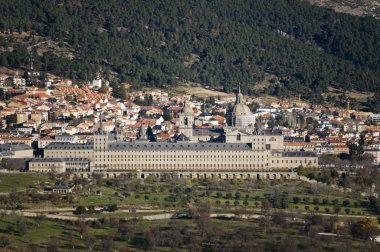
x=39 y=160
x=299 y=154
x=179 y=146
x=64 y=146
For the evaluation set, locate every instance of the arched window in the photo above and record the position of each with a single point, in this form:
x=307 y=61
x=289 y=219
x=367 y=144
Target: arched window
x=186 y=121
x=238 y=137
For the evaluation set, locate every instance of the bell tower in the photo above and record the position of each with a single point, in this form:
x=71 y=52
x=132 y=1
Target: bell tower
x=186 y=121
x=101 y=138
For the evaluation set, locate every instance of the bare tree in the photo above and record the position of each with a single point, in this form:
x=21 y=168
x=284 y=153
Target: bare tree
x=201 y=213
x=125 y=231
x=108 y=243
x=4 y=241
x=53 y=244
x=89 y=242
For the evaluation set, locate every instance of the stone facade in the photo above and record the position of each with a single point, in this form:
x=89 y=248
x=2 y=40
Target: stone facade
x=261 y=153
x=59 y=165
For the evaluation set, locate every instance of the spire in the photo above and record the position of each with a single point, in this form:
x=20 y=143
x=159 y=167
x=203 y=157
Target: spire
x=239 y=96
x=101 y=124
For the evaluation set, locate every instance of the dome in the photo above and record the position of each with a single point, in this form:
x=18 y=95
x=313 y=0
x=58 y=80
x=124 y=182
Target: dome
x=241 y=114
x=241 y=109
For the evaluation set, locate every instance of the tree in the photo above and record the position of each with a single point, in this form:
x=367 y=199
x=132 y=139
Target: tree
x=315 y=201
x=200 y=213
x=112 y=208
x=337 y=209
x=279 y=217
x=325 y=201
x=346 y=203
x=21 y=226
x=296 y=199
x=150 y=134
x=53 y=244
x=108 y=243
x=356 y=152
x=4 y=241
x=245 y=203
x=125 y=231
x=79 y=210
x=365 y=228
x=89 y=242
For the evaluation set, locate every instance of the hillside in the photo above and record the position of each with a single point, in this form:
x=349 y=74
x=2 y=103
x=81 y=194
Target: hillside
x=353 y=7
x=216 y=43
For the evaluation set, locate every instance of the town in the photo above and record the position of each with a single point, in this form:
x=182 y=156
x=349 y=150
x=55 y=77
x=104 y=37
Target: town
x=72 y=152
x=35 y=119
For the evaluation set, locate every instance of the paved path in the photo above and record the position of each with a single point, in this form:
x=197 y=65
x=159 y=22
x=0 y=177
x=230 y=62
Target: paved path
x=161 y=216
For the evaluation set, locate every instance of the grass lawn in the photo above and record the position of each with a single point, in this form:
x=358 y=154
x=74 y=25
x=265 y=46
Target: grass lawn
x=10 y=182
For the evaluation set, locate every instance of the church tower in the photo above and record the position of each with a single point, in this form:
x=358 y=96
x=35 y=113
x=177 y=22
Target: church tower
x=101 y=138
x=186 y=121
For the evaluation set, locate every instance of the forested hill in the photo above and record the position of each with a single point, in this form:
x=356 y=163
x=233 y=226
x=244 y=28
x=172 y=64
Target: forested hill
x=214 y=42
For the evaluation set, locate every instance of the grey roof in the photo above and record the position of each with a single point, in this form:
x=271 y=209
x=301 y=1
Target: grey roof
x=299 y=154
x=57 y=187
x=207 y=132
x=60 y=185
x=179 y=146
x=66 y=146
x=38 y=160
x=5 y=153
x=14 y=147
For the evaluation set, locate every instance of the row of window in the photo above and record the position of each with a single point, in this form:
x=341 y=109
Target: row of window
x=178 y=166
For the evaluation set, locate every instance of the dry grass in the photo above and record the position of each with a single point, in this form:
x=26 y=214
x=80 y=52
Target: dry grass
x=191 y=88
x=356 y=95
x=352 y=7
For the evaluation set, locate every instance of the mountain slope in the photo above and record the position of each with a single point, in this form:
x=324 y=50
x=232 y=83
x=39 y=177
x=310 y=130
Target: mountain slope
x=353 y=7
x=225 y=41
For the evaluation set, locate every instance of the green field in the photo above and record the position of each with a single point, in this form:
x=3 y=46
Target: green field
x=38 y=235
x=105 y=233
x=11 y=182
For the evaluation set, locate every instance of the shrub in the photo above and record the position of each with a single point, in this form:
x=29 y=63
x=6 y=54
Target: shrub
x=79 y=210
x=111 y=208
x=365 y=228
x=316 y=201
x=306 y=200
x=296 y=200
x=346 y=202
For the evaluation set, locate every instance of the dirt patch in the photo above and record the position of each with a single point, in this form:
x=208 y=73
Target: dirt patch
x=352 y=7
x=196 y=89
